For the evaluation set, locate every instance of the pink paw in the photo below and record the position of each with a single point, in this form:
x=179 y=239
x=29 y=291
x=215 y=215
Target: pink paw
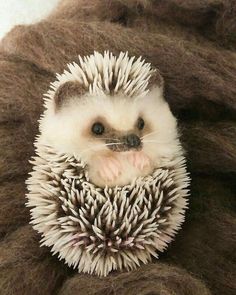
x=109 y=168
x=139 y=160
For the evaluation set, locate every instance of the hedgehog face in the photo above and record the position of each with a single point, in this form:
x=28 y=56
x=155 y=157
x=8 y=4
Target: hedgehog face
x=113 y=127
x=89 y=123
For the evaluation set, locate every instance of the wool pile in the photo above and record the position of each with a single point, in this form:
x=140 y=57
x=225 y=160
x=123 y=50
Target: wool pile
x=193 y=45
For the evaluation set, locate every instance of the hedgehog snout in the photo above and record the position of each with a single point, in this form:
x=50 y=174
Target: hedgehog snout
x=133 y=141
x=125 y=143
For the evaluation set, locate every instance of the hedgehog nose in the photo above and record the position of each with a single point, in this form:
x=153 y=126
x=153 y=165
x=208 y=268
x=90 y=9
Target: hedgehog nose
x=133 y=141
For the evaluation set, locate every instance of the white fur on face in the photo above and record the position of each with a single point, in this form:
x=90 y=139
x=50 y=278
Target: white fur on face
x=162 y=144
x=69 y=130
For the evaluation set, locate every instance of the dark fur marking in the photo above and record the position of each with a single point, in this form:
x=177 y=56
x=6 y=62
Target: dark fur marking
x=156 y=79
x=66 y=91
x=121 y=145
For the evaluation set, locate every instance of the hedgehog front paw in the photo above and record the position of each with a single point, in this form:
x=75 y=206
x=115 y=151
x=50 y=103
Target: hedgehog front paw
x=139 y=160
x=109 y=168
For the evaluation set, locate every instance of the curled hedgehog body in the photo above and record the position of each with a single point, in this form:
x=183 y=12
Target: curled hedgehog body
x=115 y=200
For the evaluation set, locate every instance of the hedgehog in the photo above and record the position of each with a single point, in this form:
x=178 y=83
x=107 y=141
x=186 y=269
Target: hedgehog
x=109 y=182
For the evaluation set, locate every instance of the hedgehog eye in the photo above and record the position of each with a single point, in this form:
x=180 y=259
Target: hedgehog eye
x=98 y=128
x=140 y=123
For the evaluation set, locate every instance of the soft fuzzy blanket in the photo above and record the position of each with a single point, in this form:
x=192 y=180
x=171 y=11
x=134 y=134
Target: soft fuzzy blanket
x=193 y=44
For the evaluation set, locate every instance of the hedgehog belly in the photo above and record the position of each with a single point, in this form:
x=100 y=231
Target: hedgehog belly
x=97 y=230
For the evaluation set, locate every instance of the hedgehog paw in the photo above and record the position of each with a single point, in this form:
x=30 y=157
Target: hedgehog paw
x=109 y=168
x=139 y=160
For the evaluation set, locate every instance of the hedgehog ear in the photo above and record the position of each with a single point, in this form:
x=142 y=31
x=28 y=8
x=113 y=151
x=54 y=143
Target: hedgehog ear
x=67 y=91
x=156 y=80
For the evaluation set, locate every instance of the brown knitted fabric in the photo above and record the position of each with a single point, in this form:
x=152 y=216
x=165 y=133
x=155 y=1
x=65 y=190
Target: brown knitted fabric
x=193 y=44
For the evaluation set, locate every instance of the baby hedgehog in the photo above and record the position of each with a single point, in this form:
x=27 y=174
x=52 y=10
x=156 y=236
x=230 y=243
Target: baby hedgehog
x=110 y=113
